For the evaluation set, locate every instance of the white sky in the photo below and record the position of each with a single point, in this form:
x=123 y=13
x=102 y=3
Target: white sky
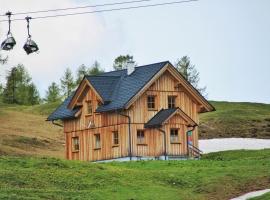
x=227 y=40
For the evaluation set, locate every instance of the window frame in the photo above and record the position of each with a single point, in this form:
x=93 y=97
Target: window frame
x=171 y=101
x=114 y=133
x=174 y=138
x=97 y=135
x=89 y=102
x=152 y=103
x=140 y=139
x=75 y=145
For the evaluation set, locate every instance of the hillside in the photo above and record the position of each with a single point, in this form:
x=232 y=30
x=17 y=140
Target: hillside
x=217 y=176
x=249 y=120
x=24 y=131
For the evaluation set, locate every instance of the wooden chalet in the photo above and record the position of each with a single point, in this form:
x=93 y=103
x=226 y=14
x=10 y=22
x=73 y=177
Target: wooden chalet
x=140 y=112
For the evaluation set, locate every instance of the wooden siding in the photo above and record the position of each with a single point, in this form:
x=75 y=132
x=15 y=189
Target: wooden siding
x=106 y=123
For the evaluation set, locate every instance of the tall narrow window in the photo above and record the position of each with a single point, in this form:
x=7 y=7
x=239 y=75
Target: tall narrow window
x=89 y=107
x=174 y=136
x=97 y=141
x=140 y=137
x=151 y=102
x=115 y=138
x=171 y=101
x=75 y=144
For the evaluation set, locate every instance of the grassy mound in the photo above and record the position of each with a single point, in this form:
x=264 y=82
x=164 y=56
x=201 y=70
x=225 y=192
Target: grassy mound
x=236 y=120
x=217 y=176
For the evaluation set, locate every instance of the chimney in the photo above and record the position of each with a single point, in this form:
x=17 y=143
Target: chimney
x=130 y=67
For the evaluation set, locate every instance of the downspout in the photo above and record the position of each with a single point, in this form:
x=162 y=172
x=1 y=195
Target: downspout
x=193 y=127
x=129 y=134
x=165 y=143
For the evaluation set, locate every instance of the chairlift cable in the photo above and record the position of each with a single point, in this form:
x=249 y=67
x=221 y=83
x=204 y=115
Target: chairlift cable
x=105 y=10
x=79 y=7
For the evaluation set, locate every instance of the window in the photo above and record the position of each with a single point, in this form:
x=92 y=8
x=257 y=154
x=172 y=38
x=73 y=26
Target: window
x=174 y=136
x=89 y=107
x=140 y=137
x=171 y=101
x=151 y=102
x=115 y=138
x=75 y=144
x=97 y=141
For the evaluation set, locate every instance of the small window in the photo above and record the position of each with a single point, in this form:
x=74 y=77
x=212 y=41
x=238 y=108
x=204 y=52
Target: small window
x=174 y=136
x=97 y=141
x=115 y=138
x=75 y=144
x=140 y=137
x=171 y=101
x=151 y=102
x=89 y=107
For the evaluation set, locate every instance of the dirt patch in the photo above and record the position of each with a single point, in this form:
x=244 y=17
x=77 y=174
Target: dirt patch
x=27 y=143
x=244 y=129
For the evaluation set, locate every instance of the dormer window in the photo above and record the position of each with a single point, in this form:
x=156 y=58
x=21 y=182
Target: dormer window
x=89 y=107
x=151 y=103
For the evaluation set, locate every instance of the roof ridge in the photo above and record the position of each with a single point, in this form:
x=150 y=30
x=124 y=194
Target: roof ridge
x=135 y=67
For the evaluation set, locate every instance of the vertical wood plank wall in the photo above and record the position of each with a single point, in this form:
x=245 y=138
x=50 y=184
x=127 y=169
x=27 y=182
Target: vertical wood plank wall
x=106 y=123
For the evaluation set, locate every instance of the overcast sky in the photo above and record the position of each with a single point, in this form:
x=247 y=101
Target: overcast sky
x=227 y=40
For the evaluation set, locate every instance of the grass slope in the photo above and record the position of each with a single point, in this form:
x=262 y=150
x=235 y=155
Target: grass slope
x=24 y=131
x=236 y=120
x=217 y=176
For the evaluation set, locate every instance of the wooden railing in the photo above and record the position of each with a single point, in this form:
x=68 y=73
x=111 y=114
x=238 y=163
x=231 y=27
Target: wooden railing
x=194 y=151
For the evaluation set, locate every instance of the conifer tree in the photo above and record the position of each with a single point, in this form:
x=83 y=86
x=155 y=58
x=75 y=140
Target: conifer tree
x=67 y=83
x=188 y=70
x=95 y=69
x=121 y=61
x=53 y=93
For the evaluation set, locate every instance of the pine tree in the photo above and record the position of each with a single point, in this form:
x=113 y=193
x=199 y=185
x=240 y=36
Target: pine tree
x=95 y=69
x=67 y=83
x=33 y=97
x=9 y=95
x=19 y=89
x=188 y=70
x=81 y=72
x=1 y=92
x=53 y=93
x=121 y=61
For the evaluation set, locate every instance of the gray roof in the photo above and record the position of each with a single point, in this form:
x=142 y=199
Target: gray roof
x=116 y=88
x=159 y=118
x=163 y=115
x=104 y=85
x=129 y=85
x=62 y=112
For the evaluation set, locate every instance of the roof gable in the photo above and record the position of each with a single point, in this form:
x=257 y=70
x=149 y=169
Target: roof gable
x=130 y=85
